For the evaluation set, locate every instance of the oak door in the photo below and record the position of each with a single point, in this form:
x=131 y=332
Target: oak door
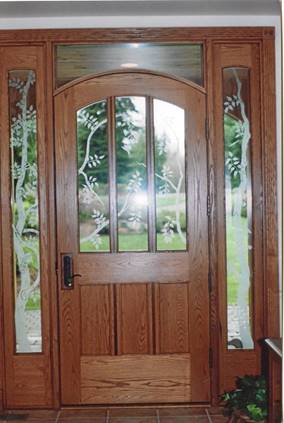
x=132 y=224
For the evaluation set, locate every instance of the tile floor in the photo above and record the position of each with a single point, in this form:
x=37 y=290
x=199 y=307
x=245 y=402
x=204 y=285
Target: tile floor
x=118 y=415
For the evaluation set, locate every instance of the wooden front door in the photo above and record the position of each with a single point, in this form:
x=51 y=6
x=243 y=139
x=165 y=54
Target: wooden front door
x=132 y=224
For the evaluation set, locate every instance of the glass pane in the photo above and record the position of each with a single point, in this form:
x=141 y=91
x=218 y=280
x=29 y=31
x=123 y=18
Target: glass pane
x=92 y=152
x=131 y=174
x=75 y=61
x=170 y=176
x=25 y=211
x=237 y=139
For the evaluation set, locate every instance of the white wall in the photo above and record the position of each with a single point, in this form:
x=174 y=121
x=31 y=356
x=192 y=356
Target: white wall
x=168 y=21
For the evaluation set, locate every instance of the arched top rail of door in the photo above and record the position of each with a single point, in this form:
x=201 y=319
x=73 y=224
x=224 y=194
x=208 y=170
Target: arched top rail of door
x=129 y=73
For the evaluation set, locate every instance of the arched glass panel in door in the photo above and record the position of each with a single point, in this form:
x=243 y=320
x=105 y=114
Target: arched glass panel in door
x=148 y=138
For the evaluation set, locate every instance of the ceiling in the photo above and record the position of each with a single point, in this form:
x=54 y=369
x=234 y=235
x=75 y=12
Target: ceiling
x=52 y=8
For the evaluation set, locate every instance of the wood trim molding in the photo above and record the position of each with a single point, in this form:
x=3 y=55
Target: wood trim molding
x=213 y=244
x=34 y=390
x=136 y=34
x=210 y=37
x=138 y=72
x=265 y=207
x=2 y=357
x=53 y=306
x=269 y=152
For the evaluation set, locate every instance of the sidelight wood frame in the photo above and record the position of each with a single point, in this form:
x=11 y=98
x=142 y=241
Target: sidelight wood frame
x=263 y=38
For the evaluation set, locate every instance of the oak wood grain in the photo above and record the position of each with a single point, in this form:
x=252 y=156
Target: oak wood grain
x=139 y=268
x=17 y=53
x=269 y=151
x=96 y=320
x=134 y=315
x=198 y=295
x=213 y=245
x=69 y=304
x=90 y=35
x=237 y=365
x=2 y=346
x=173 y=318
x=34 y=390
x=136 y=379
x=242 y=361
x=52 y=250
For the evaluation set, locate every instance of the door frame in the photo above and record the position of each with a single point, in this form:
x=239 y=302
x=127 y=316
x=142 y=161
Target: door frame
x=211 y=37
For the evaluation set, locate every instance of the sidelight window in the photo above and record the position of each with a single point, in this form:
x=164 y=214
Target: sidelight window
x=238 y=202
x=25 y=210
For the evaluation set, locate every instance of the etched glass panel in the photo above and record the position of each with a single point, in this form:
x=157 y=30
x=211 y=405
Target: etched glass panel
x=238 y=200
x=75 y=61
x=25 y=210
x=93 y=189
x=171 y=226
x=132 y=196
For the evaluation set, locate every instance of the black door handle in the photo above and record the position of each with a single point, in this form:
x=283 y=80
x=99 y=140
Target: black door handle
x=68 y=275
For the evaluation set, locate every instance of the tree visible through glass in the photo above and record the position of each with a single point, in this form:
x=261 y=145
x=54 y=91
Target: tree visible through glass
x=170 y=176
x=25 y=210
x=132 y=197
x=93 y=190
x=131 y=167
x=238 y=196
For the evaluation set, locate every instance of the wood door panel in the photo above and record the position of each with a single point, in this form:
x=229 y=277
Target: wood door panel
x=172 y=318
x=97 y=319
x=199 y=340
x=166 y=88
x=142 y=268
x=139 y=320
x=135 y=379
x=134 y=319
x=241 y=364
x=70 y=347
x=28 y=383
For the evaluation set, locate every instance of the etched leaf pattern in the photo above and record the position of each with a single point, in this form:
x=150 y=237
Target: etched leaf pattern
x=170 y=176
x=93 y=189
x=25 y=213
x=131 y=176
x=238 y=189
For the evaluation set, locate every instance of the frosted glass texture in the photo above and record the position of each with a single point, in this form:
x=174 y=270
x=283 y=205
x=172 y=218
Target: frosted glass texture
x=132 y=195
x=25 y=210
x=171 y=228
x=93 y=189
x=238 y=207
x=182 y=60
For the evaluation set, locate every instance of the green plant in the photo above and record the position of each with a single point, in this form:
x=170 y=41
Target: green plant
x=249 y=397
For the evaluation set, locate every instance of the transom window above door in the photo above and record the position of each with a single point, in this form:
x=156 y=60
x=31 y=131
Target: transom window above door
x=184 y=60
x=131 y=175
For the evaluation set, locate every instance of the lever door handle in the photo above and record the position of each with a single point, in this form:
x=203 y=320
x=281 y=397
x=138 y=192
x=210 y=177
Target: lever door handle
x=68 y=275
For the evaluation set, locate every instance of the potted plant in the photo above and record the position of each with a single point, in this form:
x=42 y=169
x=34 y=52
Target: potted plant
x=248 y=402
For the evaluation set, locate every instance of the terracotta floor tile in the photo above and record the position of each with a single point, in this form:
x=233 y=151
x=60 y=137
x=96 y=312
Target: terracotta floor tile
x=82 y=413
x=132 y=412
x=141 y=419
x=36 y=414
x=184 y=419
x=34 y=420
x=81 y=419
x=182 y=411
